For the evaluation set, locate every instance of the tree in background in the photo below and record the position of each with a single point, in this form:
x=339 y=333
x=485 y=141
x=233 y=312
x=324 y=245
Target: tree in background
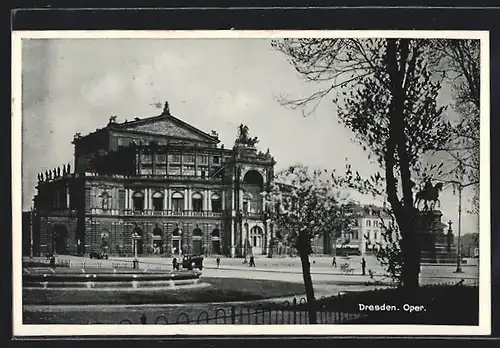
x=308 y=207
x=459 y=62
x=386 y=95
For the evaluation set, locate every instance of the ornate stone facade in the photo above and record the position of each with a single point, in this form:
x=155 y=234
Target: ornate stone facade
x=163 y=180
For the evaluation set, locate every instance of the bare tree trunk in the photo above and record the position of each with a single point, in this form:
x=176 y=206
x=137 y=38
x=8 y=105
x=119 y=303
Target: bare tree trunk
x=308 y=285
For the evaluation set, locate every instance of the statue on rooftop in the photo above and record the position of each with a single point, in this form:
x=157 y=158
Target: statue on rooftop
x=243 y=137
x=58 y=171
x=166 y=109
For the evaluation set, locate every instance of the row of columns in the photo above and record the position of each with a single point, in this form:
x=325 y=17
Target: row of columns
x=167 y=197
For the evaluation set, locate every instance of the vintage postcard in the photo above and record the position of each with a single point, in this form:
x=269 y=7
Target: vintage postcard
x=251 y=183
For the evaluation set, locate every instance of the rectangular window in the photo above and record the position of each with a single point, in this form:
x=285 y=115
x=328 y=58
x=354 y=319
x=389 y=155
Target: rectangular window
x=203 y=159
x=216 y=205
x=197 y=205
x=146 y=171
x=188 y=158
x=175 y=158
x=375 y=223
x=368 y=223
x=188 y=171
x=161 y=158
x=177 y=204
x=160 y=171
x=216 y=160
x=202 y=171
x=174 y=169
x=146 y=158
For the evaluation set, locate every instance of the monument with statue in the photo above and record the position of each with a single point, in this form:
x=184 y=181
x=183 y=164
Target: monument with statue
x=437 y=246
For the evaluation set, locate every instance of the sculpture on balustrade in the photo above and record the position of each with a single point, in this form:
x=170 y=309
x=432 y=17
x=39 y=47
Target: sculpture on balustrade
x=64 y=169
x=58 y=171
x=69 y=168
x=54 y=173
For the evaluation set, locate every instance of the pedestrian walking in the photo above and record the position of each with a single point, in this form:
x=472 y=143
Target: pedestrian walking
x=252 y=261
x=175 y=264
x=334 y=262
x=218 y=261
x=363 y=265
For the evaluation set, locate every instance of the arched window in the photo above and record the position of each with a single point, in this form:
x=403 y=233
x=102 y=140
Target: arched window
x=177 y=201
x=157 y=232
x=197 y=232
x=157 y=201
x=216 y=233
x=216 y=203
x=176 y=232
x=197 y=202
x=105 y=201
x=138 y=199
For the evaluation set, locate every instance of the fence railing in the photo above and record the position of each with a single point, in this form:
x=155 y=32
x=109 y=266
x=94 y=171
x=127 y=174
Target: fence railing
x=289 y=312
x=46 y=263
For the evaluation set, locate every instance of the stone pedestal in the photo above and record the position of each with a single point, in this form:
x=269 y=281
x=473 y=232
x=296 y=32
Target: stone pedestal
x=436 y=246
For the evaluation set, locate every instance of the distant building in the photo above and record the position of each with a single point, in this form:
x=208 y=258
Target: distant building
x=155 y=185
x=366 y=235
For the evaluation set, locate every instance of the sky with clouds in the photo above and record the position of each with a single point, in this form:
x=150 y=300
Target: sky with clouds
x=75 y=85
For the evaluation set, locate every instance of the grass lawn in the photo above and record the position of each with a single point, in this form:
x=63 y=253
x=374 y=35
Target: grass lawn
x=220 y=290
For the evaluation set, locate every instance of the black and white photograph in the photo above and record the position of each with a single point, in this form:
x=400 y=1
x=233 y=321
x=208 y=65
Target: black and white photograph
x=314 y=182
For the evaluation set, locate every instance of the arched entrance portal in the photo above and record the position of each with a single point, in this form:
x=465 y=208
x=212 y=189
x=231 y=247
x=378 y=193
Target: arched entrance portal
x=157 y=240
x=176 y=241
x=216 y=241
x=139 y=242
x=60 y=239
x=197 y=241
x=256 y=240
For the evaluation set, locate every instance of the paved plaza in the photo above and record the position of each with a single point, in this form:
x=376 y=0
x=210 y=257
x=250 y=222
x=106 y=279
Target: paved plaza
x=290 y=269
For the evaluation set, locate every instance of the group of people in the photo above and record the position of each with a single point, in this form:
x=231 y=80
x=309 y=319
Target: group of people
x=363 y=265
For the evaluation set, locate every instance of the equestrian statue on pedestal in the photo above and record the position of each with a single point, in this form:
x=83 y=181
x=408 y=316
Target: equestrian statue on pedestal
x=429 y=194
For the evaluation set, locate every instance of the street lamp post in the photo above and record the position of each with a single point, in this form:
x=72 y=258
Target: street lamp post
x=459 y=251
x=245 y=249
x=135 y=237
x=31 y=233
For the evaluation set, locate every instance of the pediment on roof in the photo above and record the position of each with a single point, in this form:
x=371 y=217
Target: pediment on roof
x=168 y=126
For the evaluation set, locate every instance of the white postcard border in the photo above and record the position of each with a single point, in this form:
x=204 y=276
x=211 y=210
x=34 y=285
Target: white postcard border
x=20 y=329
